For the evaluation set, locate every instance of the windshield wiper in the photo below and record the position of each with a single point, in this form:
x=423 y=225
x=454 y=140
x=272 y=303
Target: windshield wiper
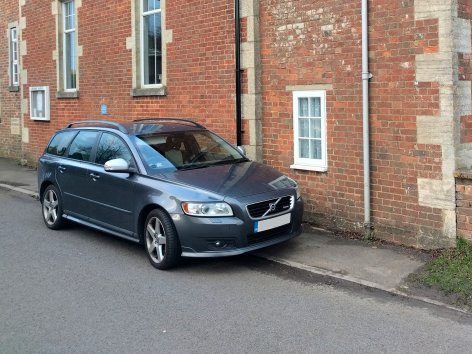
x=191 y=167
x=228 y=162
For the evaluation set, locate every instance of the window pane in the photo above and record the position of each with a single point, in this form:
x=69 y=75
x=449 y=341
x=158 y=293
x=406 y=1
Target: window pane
x=315 y=146
x=13 y=57
x=60 y=142
x=304 y=128
x=39 y=104
x=111 y=147
x=315 y=107
x=315 y=131
x=303 y=107
x=149 y=5
x=82 y=145
x=152 y=49
x=304 y=148
x=70 y=61
x=69 y=15
x=15 y=74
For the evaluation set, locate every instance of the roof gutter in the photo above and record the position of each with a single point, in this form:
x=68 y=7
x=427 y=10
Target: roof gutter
x=237 y=45
x=366 y=75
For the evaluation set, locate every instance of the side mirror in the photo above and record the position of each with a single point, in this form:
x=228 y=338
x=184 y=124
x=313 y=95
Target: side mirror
x=241 y=149
x=118 y=165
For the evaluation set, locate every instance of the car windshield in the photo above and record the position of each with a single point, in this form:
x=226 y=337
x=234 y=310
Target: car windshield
x=170 y=151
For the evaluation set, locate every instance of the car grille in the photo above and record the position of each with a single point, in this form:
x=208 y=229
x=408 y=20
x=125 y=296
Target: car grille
x=270 y=207
x=268 y=234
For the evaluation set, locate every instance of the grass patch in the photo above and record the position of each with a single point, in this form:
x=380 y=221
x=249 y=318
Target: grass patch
x=451 y=272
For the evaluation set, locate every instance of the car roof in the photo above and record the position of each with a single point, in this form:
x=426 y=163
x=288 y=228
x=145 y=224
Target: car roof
x=144 y=126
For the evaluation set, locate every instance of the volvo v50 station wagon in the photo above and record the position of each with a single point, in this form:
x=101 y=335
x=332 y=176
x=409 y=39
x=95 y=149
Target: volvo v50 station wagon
x=169 y=184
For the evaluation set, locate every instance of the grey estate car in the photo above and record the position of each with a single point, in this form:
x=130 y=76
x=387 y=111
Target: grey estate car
x=170 y=184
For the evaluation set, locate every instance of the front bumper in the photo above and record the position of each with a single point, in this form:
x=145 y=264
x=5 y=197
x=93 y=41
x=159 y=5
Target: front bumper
x=230 y=236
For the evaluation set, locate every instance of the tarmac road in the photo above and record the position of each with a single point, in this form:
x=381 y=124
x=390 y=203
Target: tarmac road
x=80 y=291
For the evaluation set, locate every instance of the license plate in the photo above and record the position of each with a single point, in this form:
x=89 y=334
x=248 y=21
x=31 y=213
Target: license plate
x=268 y=224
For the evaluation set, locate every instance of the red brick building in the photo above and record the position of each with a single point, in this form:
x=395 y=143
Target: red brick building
x=302 y=93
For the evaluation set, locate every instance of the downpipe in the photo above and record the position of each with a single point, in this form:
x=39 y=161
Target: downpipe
x=237 y=53
x=366 y=75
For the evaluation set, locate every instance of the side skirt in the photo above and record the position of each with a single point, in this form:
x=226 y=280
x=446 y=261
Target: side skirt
x=99 y=228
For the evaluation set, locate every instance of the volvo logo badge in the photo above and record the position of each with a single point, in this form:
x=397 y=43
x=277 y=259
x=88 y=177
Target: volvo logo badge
x=272 y=206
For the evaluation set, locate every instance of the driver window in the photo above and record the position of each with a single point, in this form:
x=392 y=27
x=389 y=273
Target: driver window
x=112 y=147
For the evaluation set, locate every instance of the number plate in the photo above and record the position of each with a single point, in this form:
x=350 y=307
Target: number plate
x=268 y=224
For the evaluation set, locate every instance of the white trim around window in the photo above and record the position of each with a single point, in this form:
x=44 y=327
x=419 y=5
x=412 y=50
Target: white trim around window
x=39 y=103
x=309 y=130
x=69 y=45
x=14 y=57
x=151 y=45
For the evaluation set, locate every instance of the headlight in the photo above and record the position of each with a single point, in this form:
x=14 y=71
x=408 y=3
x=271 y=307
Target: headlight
x=207 y=209
x=296 y=186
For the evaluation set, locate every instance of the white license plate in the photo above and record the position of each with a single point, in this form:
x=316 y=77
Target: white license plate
x=268 y=224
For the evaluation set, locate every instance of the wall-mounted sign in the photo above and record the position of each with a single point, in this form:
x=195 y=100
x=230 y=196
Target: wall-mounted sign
x=39 y=102
x=103 y=109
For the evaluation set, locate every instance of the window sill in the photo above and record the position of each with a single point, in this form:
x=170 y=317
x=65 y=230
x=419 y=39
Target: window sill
x=67 y=94
x=14 y=88
x=151 y=91
x=309 y=168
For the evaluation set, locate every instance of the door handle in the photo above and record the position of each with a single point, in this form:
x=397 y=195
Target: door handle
x=61 y=169
x=94 y=176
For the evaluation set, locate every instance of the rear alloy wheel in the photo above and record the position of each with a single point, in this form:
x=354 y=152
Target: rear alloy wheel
x=161 y=240
x=52 y=208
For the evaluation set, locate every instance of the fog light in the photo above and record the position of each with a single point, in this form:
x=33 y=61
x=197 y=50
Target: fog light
x=224 y=244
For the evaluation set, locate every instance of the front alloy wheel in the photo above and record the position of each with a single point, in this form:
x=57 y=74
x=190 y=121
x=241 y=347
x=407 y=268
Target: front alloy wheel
x=161 y=241
x=52 y=208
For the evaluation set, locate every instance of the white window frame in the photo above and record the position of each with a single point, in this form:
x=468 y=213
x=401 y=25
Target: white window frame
x=66 y=31
x=14 y=63
x=141 y=41
x=307 y=163
x=45 y=90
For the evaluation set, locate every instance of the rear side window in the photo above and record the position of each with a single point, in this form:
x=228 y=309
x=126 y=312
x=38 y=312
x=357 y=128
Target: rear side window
x=81 y=147
x=112 y=147
x=60 y=142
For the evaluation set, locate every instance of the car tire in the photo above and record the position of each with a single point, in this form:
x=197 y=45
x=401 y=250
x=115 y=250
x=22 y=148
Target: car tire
x=52 y=208
x=161 y=240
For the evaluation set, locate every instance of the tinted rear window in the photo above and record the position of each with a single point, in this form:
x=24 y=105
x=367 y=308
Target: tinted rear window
x=60 y=142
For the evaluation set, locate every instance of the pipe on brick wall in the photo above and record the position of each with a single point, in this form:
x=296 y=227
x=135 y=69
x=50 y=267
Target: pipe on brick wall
x=237 y=46
x=365 y=118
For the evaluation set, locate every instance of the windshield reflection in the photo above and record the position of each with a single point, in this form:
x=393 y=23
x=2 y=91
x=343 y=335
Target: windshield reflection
x=170 y=151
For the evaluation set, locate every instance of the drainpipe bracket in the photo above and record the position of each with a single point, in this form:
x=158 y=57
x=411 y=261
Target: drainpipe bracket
x=366 y=76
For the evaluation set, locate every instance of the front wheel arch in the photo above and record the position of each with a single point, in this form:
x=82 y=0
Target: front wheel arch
x=161 y=240
x=43 y=187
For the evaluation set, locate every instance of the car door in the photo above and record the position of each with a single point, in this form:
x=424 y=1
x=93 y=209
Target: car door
x=112 y=193
x=72 y=174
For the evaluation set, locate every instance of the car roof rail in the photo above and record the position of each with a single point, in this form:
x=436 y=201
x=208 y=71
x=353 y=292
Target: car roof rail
x=169 y=120
x=118 y=126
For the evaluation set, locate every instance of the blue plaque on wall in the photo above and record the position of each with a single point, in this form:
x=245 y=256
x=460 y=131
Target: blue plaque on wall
x=103 y=109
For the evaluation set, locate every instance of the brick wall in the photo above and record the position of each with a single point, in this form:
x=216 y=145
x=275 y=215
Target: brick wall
x=305 y=42
x=464 y=207
x=413 y=112
x=10 y=139
x=200 y=66
x=465 y=72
